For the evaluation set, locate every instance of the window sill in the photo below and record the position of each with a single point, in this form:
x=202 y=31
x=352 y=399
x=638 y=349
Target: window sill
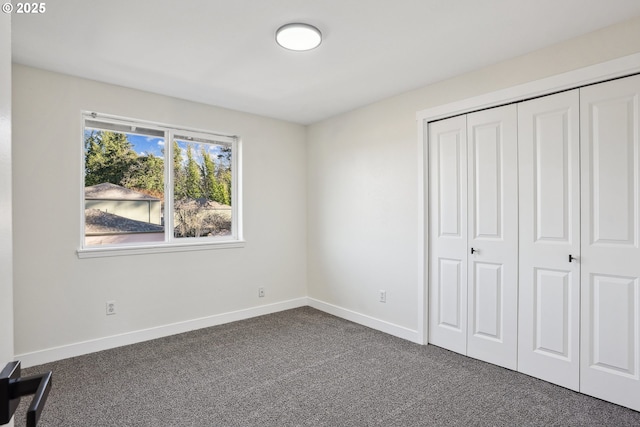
x=110 y=251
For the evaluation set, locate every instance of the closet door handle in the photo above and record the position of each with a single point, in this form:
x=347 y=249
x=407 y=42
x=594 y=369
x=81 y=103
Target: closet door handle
x=473 y=250
x=571 y=258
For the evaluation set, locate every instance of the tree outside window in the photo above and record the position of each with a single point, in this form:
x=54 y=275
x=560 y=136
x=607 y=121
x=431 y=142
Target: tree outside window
x=132 y=196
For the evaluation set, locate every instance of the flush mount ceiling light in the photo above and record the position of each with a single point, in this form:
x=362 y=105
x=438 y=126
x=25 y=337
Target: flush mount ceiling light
x=298 y=37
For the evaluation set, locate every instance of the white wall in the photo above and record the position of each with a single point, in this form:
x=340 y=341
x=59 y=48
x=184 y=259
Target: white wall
x=6 y=250
x=363 y=182
x=60 y=299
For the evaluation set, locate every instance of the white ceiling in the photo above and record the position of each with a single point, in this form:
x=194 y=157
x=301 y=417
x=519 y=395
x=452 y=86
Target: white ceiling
x=223 y=52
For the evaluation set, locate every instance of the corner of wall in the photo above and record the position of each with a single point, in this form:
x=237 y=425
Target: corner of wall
x=6 y=232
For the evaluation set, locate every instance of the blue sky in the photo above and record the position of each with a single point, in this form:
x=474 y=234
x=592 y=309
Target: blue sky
x=144 y=145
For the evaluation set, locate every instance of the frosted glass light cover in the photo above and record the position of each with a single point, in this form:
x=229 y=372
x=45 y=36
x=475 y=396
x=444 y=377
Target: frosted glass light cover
x=298 y=37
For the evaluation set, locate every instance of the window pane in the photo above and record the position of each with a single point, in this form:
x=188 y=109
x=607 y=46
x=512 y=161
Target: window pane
x=201 y=187
x=124 y=185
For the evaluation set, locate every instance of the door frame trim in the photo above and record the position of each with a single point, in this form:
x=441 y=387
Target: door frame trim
x=616 y=68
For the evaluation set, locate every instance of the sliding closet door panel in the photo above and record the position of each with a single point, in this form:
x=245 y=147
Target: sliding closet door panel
x=493 y=235
x=448 y=234
x=610 y=346
x=549 y=285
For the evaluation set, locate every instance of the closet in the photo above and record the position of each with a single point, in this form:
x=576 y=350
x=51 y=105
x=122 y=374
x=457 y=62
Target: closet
x=534 y=237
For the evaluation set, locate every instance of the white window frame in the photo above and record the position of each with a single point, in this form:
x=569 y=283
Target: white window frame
x=170 y=243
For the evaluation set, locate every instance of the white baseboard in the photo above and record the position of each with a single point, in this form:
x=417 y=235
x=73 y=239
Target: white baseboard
x=371 y=322
x=77 y=349
x=91 y=346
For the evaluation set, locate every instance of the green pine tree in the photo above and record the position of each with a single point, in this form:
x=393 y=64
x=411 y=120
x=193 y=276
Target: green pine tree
x=179 y=175
x=146 y=174
x=224 y=186
x=193 y=179
x=108 y=157
x=208 y=170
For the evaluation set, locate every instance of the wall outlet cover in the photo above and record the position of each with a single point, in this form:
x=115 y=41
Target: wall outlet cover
x=111 y=308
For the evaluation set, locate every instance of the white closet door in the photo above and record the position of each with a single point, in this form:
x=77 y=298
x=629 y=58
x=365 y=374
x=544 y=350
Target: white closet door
x=549 y=286
x=493 y=236
x=610 y=146
x=448 y=234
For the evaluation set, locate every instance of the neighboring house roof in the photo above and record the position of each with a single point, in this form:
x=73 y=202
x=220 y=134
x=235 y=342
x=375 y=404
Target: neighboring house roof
x=97 y=221
x=108 y=191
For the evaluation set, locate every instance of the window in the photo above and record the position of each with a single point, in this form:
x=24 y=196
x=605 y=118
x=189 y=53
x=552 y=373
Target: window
x=154 y=187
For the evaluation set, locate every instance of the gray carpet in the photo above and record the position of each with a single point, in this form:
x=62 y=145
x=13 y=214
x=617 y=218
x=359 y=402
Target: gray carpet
x=303 y=367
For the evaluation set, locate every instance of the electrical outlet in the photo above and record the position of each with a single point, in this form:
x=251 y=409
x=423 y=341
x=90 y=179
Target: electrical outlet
x=261 y=292
x=383 y=296
x=111 y=308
